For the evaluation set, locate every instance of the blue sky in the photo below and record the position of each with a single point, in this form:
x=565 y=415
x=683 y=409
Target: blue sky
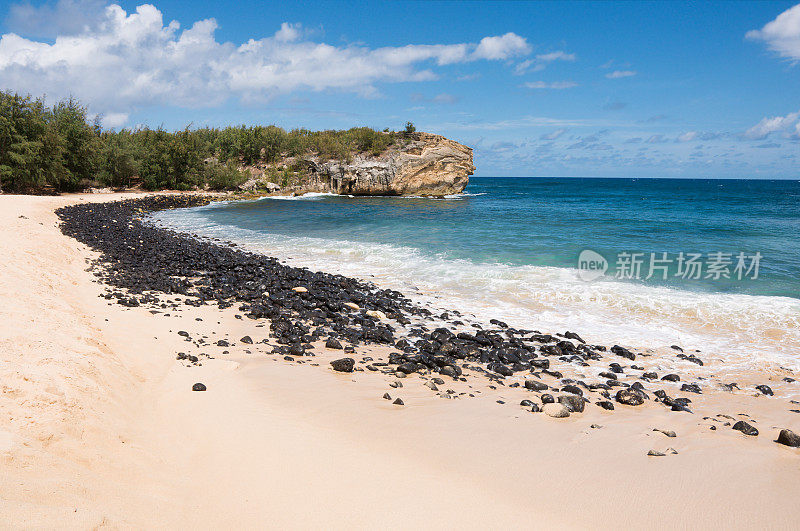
x=632 y=89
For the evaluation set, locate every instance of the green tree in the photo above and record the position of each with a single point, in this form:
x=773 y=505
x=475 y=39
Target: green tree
x=80 y=141
x=220 y=176
x=61 y=147
x=118 y=159
x=30 y=149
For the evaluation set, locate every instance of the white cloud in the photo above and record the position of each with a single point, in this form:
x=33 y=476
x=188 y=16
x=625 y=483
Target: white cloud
x=516 y=123
x=502 y=47
x=781 y=35
x=774 y=124
x=687 y=137
x=616 y=74
x=554 y=85
x=556 y=56
x=468 y=77
x=554 y=135
x=288 y=32
x=114 y=120
x=133 y=59
x=541 y=61
x=528 y=64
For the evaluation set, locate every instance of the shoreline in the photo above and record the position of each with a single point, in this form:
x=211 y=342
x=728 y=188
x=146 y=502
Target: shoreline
x=357 y=430
x=745 y=330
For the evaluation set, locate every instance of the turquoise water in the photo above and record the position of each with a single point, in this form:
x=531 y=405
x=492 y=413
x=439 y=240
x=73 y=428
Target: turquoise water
x=548 y=222
x=510 y=247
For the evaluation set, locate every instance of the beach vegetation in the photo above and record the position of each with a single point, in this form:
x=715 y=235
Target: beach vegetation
x=64 y=148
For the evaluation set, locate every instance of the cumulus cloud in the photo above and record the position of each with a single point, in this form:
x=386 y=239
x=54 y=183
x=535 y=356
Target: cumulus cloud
x=617 y=74
x=781 y=35
x=288 y=32
x=135 y=59
x=553 y=85
x=774 y=124
x=502 y=47
x=687 y=137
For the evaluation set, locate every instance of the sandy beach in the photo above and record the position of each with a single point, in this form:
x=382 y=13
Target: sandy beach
x=99 y=427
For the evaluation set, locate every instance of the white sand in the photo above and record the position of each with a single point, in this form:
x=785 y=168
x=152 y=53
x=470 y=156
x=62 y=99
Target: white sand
x=99 y=428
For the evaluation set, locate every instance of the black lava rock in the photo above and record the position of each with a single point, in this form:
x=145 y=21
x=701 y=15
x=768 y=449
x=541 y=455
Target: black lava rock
x=765 y=389
x=745 y=428
x=572 y=335
x=629 y=397
x=622 y=351
x=333 y=344
x=501 y=369
x=533 y=385
x=572 y=402
x=574 y=389
x=789 y=438
x=343 y=364
x=407 y=367
x=540 y=363
x=691 y=388
x=449 y=370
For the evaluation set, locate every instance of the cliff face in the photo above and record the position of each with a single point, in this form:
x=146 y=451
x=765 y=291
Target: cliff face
x=422 y=164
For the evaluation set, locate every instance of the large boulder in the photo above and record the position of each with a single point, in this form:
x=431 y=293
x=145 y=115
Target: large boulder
x=419 y=164
x=343 y=365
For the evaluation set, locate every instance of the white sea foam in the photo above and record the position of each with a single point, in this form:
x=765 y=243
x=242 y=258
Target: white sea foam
x=746 y=331
x=305 y=196
x=319 y=195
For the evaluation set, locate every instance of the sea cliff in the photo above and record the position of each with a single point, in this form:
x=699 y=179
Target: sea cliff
x=421 y=164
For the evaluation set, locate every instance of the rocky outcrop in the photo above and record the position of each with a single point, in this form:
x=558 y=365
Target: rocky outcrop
x=421 y=164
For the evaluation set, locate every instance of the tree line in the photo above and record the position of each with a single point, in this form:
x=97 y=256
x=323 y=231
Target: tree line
x=61 y=148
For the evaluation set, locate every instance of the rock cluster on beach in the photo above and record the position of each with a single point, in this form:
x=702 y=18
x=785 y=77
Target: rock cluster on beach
x=307 y=310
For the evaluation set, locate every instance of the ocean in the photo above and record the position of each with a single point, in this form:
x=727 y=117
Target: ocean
x=711 y=265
